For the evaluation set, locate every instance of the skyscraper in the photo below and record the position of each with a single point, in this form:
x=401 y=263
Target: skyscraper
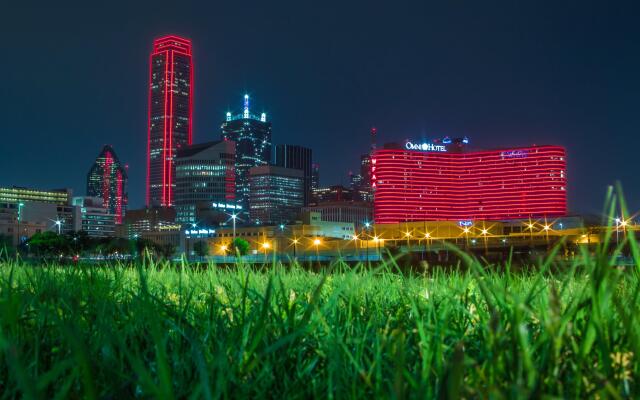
x=296 y=157
x=170 y=114
x=205 y=182
x=276 y=194
x=107 y=179
x=252 y=134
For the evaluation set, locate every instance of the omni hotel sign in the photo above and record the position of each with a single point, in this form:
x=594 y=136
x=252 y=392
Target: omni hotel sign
x=425 y=147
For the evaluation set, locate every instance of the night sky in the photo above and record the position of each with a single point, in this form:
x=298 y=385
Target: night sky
x=75 y=77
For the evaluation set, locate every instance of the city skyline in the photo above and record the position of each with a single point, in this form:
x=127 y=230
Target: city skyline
x=574 y=100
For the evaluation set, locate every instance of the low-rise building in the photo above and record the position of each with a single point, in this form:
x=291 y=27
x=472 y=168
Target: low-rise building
x=95 y=218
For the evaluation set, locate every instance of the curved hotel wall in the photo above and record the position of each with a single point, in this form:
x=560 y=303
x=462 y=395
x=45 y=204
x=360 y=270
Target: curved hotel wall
x=416 y=185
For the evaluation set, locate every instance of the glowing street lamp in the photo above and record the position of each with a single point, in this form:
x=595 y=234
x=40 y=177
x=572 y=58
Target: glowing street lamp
x=265 y=246
x=58 y=223
x=355 y=243
x=233 y=218
x=317 y=242
x=295 y=242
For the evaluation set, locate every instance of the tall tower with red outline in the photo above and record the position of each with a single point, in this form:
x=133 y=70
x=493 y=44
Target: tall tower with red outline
x=170 y=115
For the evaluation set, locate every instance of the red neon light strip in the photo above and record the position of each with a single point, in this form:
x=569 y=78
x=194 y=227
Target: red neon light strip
x=171 y=155
x=191 y=88
x=106 y=179
x=119 y=191
x=164 y=142
x=149 y=131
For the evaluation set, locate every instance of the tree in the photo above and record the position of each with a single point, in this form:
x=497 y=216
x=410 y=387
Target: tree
x=47 y=244
x=167 y=250
x=240 y=246
x=6 y=246
x=201 y=248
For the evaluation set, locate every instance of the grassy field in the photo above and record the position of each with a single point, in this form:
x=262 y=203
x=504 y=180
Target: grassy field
x=155 y=330
x=158 y=331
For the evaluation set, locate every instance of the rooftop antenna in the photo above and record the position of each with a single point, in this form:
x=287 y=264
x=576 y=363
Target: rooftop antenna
x=246 y=106
x=374 y=132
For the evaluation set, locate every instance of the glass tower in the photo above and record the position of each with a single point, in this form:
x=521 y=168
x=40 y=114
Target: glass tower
x=170 y=114
x=276 y=195
x=204 y=176
x=252 y=134
x=107 y=179
x=297 y=157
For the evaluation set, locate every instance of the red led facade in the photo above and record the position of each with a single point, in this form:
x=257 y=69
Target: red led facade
x=170 y=114
x=480 y=185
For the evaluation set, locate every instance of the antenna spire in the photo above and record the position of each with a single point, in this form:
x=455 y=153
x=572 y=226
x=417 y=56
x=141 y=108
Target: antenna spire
x=374 y=132
x=246 y=106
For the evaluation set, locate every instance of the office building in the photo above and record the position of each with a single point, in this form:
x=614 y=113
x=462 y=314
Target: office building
x=107 y=179
x=443 y=181
x=276 y=194
x=333 y=193
x=95 y=218
x=14 y=226
x=205 y=178
x=51 y=208
x=315 y=177
x=170 y=115
x=356 y=212
x=153 y=219
x=252 y=134
x=18 y=194
x=297 y=157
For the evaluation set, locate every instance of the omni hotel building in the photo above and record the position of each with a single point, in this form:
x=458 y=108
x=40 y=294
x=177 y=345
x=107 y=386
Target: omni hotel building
x=443 y=180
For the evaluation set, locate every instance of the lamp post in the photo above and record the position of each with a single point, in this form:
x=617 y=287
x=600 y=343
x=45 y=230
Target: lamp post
x=617 y=230
x=316 y=242
x=355 y=245
x=233 y=218
x=376 y=240
x=20 y=205
x=58 y=223
x=367 y=225
x=427 y=236
x=295 y=247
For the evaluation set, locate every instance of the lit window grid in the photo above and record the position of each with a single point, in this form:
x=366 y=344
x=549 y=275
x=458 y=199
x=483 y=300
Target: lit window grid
x=416 y=186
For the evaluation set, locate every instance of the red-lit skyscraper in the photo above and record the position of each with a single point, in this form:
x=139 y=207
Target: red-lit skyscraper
x=426 y=182
x=170 y=114
x=107 y=179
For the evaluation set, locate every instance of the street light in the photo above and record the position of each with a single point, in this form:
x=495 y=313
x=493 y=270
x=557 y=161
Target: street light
x=58 y=223
x=317 y=242
x=355 y=244
x=295 y=242
x=407 y=235
x=427 y=236
x=20 y=205
x=233 y=218
x=265 y=247
x=376 y=240
x=367 y=225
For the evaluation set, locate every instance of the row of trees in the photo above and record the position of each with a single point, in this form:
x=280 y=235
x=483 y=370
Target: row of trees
x=50 y=244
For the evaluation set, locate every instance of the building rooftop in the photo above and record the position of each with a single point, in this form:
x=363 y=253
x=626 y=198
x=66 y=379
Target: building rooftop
x=189 y=151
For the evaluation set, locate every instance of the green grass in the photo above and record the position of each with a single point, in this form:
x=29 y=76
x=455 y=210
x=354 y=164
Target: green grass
x=155 y=331
x=150 y=332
